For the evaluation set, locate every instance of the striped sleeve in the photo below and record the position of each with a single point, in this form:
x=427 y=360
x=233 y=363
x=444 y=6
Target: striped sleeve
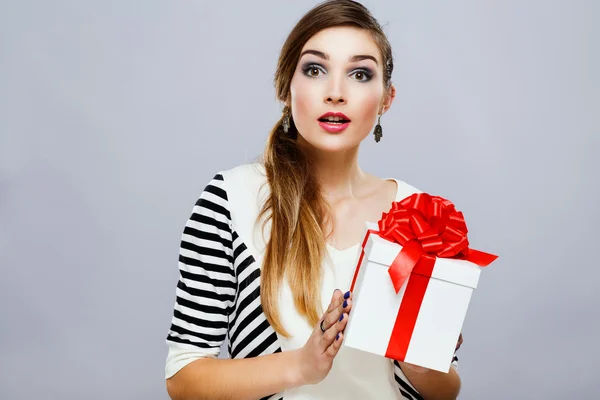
x=206 y=288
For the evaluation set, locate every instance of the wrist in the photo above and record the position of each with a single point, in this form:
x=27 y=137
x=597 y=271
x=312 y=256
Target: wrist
x=293 y=368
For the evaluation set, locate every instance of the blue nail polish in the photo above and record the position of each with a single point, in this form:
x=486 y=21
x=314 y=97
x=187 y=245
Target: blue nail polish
x=345 y=304
x=337 y=337
x=341 y=317
x=347 y=294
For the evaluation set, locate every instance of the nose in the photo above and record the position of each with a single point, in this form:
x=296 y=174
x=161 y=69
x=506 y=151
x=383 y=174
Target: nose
x=335 y=93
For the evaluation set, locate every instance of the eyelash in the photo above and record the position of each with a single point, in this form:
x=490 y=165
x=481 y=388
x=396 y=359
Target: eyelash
x=367 y=73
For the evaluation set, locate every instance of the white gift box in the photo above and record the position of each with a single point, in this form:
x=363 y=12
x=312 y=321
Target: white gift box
x=421 y=323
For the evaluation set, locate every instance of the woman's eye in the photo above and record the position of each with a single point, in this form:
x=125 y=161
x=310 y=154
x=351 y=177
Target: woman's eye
x=361 y=76
x=313 y=72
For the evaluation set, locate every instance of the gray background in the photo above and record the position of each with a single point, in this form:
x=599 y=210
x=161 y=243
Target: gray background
x=115 y=114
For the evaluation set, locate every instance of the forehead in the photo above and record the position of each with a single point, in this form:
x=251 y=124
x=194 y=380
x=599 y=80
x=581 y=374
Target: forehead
x=343 y=42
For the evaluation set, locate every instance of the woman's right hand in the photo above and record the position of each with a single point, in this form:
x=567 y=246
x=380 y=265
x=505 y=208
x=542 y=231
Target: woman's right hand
x=316 y=356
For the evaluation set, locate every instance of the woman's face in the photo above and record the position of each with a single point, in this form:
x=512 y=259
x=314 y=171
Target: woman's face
x=340 y=73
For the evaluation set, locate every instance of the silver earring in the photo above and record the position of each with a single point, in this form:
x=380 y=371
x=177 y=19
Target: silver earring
x=378 y=132
x=286 y=119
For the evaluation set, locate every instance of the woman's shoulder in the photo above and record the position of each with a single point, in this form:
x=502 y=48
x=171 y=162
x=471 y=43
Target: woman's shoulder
x=242 y=180
x=240 y=171
x=255 y=170
x=245 y=190
x=235 y=189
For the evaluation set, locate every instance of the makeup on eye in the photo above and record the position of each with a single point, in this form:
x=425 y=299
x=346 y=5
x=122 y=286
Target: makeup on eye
x=314 y=70
x=312 y=67
x=365 y=72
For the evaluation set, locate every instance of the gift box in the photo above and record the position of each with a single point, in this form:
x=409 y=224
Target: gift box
x=413 y=283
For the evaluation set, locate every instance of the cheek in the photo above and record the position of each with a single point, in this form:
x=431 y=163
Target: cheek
x=366 y=108
x=370 y=101
x=304 y=96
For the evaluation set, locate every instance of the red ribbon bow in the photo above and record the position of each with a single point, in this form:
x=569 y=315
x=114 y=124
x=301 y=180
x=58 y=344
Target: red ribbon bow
x=426 y=227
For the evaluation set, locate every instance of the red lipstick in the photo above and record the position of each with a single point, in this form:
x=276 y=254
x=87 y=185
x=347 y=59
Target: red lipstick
x=334 y=122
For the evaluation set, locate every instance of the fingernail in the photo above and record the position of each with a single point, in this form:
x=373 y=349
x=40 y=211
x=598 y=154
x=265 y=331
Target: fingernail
x=347 y=294
x=341 y=317
x=345 y=304
x=337 y=337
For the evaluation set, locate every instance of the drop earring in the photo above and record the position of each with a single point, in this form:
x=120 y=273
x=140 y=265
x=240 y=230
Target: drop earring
x=286 y=119
x=378 y=132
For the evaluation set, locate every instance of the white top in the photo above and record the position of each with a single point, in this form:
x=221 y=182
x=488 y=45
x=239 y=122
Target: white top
x=218 y=295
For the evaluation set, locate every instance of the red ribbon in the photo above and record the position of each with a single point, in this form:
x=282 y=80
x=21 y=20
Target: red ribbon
x=426 y=227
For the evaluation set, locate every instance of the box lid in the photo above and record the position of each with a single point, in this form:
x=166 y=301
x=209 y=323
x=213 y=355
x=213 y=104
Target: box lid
x=460 y=272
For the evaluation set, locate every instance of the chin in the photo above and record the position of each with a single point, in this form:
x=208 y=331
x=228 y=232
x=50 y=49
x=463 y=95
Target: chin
x=332 y=143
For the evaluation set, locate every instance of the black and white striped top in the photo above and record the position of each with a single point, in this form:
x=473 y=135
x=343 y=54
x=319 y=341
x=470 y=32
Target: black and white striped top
x=218 y=295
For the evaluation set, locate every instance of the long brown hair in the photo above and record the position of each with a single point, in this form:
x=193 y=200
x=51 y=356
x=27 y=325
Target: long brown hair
x=295 y=205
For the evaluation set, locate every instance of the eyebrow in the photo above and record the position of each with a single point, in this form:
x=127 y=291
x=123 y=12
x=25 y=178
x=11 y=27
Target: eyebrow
x=324 y=56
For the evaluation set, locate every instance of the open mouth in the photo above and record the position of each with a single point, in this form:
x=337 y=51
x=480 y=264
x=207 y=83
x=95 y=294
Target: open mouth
x=334 y=120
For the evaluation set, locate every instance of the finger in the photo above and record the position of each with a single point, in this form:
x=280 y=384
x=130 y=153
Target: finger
x=334 y=315
x=346 y=302
x=334 y=310
x=336 y=299
x=327 y=338
x=332 y=333
x=347 y=305
x=334 y=348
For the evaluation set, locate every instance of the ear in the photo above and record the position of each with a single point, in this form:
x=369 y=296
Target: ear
x=388 y=99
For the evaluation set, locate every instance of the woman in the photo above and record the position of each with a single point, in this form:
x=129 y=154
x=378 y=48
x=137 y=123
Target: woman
x=268 y=243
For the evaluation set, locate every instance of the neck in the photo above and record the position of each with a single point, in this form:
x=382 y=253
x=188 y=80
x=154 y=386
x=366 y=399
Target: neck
x=338 y=173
